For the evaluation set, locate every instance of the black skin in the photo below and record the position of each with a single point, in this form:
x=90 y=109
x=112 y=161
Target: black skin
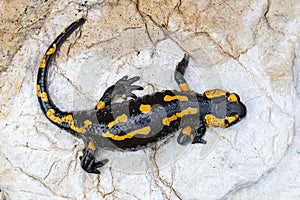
x=94 y=126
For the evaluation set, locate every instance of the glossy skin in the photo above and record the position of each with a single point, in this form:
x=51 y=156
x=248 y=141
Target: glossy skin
x=140 y=121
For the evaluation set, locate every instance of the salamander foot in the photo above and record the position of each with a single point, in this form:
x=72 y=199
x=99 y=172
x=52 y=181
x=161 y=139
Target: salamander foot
x=89 y=163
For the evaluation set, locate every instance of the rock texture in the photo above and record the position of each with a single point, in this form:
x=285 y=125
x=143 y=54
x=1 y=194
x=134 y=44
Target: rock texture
x=250 y=47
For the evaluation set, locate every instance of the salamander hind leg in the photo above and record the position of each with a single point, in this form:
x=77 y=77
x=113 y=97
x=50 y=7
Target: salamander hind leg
x=88 y=160
x=179 y=73
x=123 y=88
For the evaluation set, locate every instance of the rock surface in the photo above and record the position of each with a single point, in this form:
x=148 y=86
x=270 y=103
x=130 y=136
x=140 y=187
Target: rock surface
x=250 y=47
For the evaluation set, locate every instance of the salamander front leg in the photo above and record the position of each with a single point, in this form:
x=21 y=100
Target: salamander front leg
x=179 y=73
x=186 y=135
x=88 y=160
x=200 y=133
x=123 y=88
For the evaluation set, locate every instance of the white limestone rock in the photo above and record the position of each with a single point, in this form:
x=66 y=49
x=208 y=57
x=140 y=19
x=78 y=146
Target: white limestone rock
x=250 y=47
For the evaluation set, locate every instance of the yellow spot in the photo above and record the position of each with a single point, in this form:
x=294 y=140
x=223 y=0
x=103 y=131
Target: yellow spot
x=184 y=87
x=92 y=146
x=69 y=120
x=188 y=131
x=145 y=108
x=143 y=131
x=43 y=62
x=214 y=93
x=232 y=118
x=121 y=118
x=211 y=120
x=51 y=50
x=189 y=111
x=64 y=31
x=42 y=95
x=171 y=98
x=232 y=98
x=82 y=130
x=100 y=105
x=166 y=121
x=123 y=96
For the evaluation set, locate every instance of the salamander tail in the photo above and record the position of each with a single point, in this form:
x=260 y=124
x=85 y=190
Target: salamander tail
x=53 y=113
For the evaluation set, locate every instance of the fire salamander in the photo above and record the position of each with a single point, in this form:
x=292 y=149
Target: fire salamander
x=138 y=121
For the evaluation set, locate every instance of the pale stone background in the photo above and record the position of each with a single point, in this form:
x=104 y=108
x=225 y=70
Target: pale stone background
x=251 y=47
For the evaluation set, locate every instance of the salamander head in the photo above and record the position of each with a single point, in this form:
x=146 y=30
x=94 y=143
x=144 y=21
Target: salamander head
x=226 y=108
